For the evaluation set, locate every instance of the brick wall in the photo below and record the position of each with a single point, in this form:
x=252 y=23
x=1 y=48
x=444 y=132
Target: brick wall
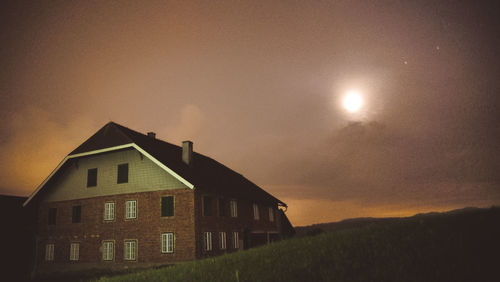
x=244 y=223
x=146 y=229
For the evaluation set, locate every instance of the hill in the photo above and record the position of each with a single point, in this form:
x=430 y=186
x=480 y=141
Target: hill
x=457 y=246
x=17 y=235
x=350 y=223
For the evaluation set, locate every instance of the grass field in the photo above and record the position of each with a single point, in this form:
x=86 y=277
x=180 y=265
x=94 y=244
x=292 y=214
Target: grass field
x=457 y=246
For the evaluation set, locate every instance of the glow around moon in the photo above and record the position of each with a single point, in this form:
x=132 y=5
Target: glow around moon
x=352 y=101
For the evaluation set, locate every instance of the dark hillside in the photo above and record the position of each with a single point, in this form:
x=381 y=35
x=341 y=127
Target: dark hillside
x=315 y=229
x=457 y=246
x=340 y=225
x=16 y=237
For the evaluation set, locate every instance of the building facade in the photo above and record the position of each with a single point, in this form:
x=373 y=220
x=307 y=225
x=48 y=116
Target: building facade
x=123 y=199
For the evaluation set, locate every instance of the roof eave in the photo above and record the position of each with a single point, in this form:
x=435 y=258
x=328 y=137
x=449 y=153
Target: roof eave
x=124 y=146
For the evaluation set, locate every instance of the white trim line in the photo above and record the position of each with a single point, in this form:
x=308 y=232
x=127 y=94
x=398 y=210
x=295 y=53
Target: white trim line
x=133 y=145
x=45 y=181
x=102 y=150
x=160 y=164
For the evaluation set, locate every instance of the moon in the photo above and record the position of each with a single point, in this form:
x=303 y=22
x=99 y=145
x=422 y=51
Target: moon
x=353 y=101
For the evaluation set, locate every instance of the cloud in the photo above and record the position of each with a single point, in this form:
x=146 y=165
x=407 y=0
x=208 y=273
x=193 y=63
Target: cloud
x=305 y=211
x=189 y=126
x=374 y=163
x=36 y=142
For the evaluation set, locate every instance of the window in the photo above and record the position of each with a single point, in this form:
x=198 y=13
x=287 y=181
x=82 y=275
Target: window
x=221 y=207
x=167 y=242
x=130 y=250
x=108 y=250
x=207 y=206
x=236 y=240
x=167 y=206
x=271 y=214
x=74 y=251
x=255 y=212
x=234 y=208
x=52 y=216
x=92 y=177
x=131 y=209
x=109 y=211
x=49 y=252
x=122 y=173
x=77 y=214
x=207 y=241
x=222 y=240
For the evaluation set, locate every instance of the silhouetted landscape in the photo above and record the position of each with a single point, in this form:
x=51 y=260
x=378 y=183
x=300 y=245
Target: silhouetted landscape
x=18 y=237
x=350 y=223
x=248 y=140
x=459 y=245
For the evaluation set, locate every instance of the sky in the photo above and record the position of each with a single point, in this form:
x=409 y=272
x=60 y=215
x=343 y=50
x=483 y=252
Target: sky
x=258 y=86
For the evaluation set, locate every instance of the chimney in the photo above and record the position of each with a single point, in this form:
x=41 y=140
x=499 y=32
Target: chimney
x=187 y=152
x=152 y=135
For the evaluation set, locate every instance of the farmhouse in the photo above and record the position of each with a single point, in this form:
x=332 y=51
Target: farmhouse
x=125 y=199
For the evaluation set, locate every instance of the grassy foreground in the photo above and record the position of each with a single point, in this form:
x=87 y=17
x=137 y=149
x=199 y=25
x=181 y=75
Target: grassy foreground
x=459 y=246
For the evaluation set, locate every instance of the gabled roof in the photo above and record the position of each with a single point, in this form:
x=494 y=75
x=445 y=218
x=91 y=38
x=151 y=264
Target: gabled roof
x=203 y=173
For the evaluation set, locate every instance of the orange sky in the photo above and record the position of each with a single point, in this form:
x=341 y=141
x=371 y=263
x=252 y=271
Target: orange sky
x=257 y=85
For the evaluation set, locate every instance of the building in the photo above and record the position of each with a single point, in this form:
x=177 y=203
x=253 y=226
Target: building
x=124 y=199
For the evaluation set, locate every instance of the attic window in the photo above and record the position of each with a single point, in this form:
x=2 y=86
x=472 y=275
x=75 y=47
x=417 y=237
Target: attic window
x=92 y=177
x=122 y=173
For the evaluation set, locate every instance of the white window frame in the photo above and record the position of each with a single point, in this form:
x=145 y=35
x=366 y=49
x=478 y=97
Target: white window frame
x=271 y=214
x=234 y=208
x=108 y=250
x=256 y=212
x=167 y=242
x=131 y=209
x=74 y=251
x=236 y=240
x=49 y=252
x=130 y=250
x=207 y=241
x=222 y=240
x=109 y=211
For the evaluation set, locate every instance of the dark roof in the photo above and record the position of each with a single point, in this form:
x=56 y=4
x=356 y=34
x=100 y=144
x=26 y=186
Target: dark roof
x=204 y=173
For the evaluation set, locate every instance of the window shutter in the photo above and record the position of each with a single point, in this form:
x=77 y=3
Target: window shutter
x=122 y=173
x=167 y=206
x=52 y=216
x=92 y=177
x=207 y=206
x=77 y=214
x=221 y=207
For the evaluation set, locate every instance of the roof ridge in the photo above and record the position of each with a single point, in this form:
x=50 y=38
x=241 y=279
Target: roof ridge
x=206 y=172
x=119 y=127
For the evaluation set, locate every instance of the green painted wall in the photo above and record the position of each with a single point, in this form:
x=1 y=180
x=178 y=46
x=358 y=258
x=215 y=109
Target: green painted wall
x=144 y=176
